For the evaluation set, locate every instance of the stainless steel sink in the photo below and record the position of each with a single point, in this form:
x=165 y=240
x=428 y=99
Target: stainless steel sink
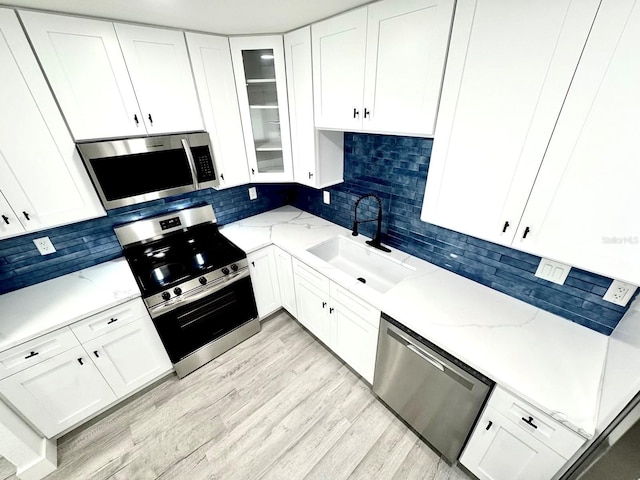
x=372 y=267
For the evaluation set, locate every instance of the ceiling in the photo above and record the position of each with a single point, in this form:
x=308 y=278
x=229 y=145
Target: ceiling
x=216 y=16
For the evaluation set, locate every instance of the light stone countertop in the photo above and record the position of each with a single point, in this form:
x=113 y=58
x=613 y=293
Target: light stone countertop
x=553 y=363
x=42 y=308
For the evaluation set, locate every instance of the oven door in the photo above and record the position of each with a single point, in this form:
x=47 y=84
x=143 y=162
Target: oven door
x=194 y=324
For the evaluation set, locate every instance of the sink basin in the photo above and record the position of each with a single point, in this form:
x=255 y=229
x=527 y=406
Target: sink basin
x=374 y=268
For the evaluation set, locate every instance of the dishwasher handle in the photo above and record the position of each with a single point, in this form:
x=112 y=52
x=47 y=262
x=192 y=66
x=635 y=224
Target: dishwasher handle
x=420 y=351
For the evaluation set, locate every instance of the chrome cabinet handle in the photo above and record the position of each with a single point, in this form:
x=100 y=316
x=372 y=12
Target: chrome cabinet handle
x=192 y=163
x=425 y=356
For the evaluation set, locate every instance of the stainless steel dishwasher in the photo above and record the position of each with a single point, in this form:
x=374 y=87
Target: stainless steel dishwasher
x=434 y=392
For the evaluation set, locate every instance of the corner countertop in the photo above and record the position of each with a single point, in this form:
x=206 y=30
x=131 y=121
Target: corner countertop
x=554 y=364
x=39 y=309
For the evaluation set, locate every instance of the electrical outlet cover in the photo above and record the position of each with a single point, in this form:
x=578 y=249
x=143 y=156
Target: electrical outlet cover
x=253 y=194
x=326 y=197
x=555 y=272
x=619 y=293
x=44 y=245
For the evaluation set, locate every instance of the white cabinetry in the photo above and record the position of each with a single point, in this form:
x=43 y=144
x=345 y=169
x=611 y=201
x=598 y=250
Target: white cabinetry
x=59 y=392
x=264 y=278
x=284 y=267
x=158 y=64
x=42 y=180
x=513 y=440
x=84 y=63
x=57 y=382
x=502 y=93
x=341 y=320
x=318 y=155
x=258 y=64
x=213 y=73
x=379 y=68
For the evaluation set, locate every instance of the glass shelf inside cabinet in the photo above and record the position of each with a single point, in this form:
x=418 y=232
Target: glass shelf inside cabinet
x=259 y=69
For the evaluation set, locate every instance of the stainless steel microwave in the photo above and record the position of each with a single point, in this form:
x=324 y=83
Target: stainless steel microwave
x=135 y=170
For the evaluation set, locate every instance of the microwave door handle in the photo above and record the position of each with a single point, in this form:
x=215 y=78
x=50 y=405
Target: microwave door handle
x=192 y=163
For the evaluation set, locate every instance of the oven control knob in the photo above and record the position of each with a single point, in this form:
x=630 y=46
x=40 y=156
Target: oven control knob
x=225 y=270
x=202 y=280
x=234 y=267
x=166 y=295
x=177 y=290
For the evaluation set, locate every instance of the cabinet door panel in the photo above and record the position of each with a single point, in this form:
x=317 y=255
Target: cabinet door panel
x=41 y=173
x=213 y=72
x=501 y=450
x=339 y=45
x=264 y=278
x=9 y=223
x=577 y=212
x=284 y=267
x=129 y=356
x=356 y=341
x=159 y=66
x=58 y=393
x=84 y=65
x=508 y=71
x=407 y=43
x=313 y=308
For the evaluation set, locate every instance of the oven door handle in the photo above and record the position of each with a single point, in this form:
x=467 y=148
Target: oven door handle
x=192 y=162
x=198 y=294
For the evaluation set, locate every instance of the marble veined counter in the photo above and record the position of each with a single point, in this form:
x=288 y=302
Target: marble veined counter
x=554 y=364
x=33 y=311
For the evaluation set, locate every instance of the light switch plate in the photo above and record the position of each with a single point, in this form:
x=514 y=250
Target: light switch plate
x=326 y=197
x=555 y=272
x=619 y=292
x=44 y=245
x=253 y=194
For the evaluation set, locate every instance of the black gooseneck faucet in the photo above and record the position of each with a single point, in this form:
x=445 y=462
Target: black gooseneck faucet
x=375 y=242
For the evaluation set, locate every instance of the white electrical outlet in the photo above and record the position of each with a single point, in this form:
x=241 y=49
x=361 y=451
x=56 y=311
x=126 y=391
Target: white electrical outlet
x=253 y=194
x=44 y=245
x=555 y=272
x=619 y=292
x=326 y=197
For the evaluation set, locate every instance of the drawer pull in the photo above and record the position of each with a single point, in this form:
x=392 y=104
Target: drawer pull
x=95 y=352
x=32 y=354
x=529 y=422
x=6 y=219
x=324 y=304
x=331 y=310
x=489 y=424
x=506 y=225
x=112 y=321
x=80 y=361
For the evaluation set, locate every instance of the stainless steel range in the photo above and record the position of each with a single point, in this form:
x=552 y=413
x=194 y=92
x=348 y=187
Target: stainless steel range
x=194 y=282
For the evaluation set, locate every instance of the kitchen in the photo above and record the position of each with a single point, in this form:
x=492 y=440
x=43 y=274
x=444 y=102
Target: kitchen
x=469 y=240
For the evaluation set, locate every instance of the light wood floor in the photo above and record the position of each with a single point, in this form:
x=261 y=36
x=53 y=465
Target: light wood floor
x=278 y=406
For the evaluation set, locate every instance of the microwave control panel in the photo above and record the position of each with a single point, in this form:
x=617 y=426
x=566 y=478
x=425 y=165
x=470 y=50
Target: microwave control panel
x=204 y=164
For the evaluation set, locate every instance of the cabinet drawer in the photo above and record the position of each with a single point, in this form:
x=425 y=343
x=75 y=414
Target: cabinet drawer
x=106 y=321
x=318 y=280
x=355 y=304
x=35 y=351
x=552 y=433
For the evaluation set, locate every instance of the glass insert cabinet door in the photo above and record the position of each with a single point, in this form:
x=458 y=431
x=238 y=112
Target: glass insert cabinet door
x=260 y=79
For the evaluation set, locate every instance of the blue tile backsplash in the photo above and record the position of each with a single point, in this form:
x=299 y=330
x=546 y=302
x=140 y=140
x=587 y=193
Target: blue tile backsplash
x=88 y=243
x=395 y=168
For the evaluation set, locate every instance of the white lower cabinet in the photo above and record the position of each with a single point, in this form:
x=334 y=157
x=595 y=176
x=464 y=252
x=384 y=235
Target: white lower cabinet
x=284 y=267
x=341 y=320
x=264 y=278
x=59 y=392
x=56 y=382
x=514 y=441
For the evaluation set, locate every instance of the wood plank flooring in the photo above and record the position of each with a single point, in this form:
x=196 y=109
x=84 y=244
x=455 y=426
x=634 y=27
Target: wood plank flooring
x=279 y=406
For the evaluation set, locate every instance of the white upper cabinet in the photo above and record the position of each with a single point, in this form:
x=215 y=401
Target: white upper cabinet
x=318 y=156
x=213 y=72
x=84 y=63
x=258 y=64
x=509 y=68
x=578 y=210
x=339 y=45
x=379 y=68
x=85 y=68
x=159 y=67
x=42 y=177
